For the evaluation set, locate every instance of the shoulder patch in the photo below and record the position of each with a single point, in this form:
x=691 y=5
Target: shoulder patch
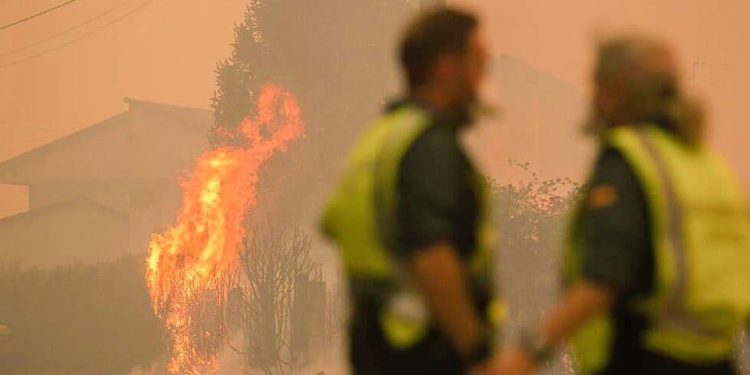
x=601 y=196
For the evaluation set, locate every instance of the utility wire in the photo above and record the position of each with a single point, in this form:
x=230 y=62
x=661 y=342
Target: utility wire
x=37 y=15
x=84 y=23
x=80 y=37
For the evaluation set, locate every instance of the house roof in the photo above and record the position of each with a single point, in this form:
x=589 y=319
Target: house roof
x=195 y=119
x=188 y=116
x=12 y=163
x=81 y=202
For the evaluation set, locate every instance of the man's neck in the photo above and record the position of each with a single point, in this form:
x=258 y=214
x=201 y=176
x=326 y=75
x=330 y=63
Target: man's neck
x=436 y=100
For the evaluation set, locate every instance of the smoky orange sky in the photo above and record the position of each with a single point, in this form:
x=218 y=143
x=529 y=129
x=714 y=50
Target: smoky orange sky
x=166 y=52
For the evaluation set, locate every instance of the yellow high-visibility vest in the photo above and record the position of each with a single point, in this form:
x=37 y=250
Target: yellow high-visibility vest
x=701 y=238
x=362 y=212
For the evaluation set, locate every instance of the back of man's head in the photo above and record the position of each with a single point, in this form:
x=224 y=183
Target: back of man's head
x=646 y=69
x=433 y=34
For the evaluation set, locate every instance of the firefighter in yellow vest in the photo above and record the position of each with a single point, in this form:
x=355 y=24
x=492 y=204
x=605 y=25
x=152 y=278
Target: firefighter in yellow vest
x=657 y=261
x=411 y=217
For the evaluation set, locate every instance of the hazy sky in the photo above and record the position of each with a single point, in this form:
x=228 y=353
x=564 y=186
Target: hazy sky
x=166 y=52
x=557 y=36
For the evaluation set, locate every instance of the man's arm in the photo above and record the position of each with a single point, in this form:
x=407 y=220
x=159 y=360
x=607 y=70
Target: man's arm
x=432 y=206
x=614 y=261
x=581 y=303
x=616 y=247
x=442 y=279
x=584 y=301
x=328 y=224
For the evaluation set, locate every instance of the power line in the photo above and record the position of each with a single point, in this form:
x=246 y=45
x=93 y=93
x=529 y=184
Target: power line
x=37 y=15
x=84 y=23
x=80 y=37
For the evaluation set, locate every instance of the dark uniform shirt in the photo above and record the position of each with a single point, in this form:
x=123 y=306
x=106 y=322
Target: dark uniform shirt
x=618 y=252
x=436 y=202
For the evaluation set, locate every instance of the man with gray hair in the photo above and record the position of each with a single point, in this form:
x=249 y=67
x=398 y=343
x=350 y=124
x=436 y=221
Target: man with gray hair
x=656 y=267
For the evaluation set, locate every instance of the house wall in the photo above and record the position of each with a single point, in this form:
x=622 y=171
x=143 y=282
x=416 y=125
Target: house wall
x=137 y=150
x=64 y=236
x=164 y=148
x=541 y=124
x=150 y=205
x=115 y=194
x=130 y=163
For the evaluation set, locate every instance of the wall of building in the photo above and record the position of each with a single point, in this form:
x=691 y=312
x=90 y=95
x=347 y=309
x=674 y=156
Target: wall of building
x=66 y=235
x=540 y=122
x=164 y=147
x=115 y=194
x=133 y=165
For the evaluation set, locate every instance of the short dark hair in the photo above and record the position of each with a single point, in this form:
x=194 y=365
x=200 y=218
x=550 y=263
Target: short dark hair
x=433 y=34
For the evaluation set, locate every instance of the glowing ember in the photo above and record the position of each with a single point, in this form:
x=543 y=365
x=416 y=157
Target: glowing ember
x=190 y=264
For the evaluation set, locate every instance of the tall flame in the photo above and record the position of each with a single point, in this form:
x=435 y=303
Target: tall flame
x=192 y=261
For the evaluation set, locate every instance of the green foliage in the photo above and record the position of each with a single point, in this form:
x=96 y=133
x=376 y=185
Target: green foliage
x=536 y=197
x=237 y=77
x=334 y=55
x=89 y=319
x=532 y=213
x=532 y=217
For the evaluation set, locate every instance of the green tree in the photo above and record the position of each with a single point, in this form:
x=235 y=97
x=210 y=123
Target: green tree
x=238 y=77
x=335 y=56
x=532 y=217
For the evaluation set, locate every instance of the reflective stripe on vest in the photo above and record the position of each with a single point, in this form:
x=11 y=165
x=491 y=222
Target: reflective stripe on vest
x=674 y=314
x=699 y=303
x=683 y=326
x=361 y=215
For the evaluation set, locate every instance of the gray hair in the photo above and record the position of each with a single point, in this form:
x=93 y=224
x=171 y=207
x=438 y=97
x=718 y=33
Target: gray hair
x=644 y=66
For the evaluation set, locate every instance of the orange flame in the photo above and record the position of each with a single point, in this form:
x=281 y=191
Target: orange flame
x=195 y=257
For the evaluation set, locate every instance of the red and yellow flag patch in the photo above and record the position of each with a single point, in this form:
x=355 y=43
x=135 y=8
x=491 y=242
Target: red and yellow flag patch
x=601 y=196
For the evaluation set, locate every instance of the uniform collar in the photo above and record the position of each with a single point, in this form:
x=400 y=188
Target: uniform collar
x=437 y=118
x=661 y=121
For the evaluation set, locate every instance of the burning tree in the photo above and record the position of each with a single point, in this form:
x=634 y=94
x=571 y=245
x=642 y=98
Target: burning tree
x=190 y=266
x=342 y=70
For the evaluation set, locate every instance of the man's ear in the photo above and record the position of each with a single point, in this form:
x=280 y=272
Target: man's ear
x=444 y=68
x=609 y=94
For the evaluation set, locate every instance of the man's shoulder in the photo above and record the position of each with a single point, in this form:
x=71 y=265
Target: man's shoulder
x=436 y=145
x=611 y=159
x=611 y=163
x=437 y=135
x=436 y=142
x=613 y=180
